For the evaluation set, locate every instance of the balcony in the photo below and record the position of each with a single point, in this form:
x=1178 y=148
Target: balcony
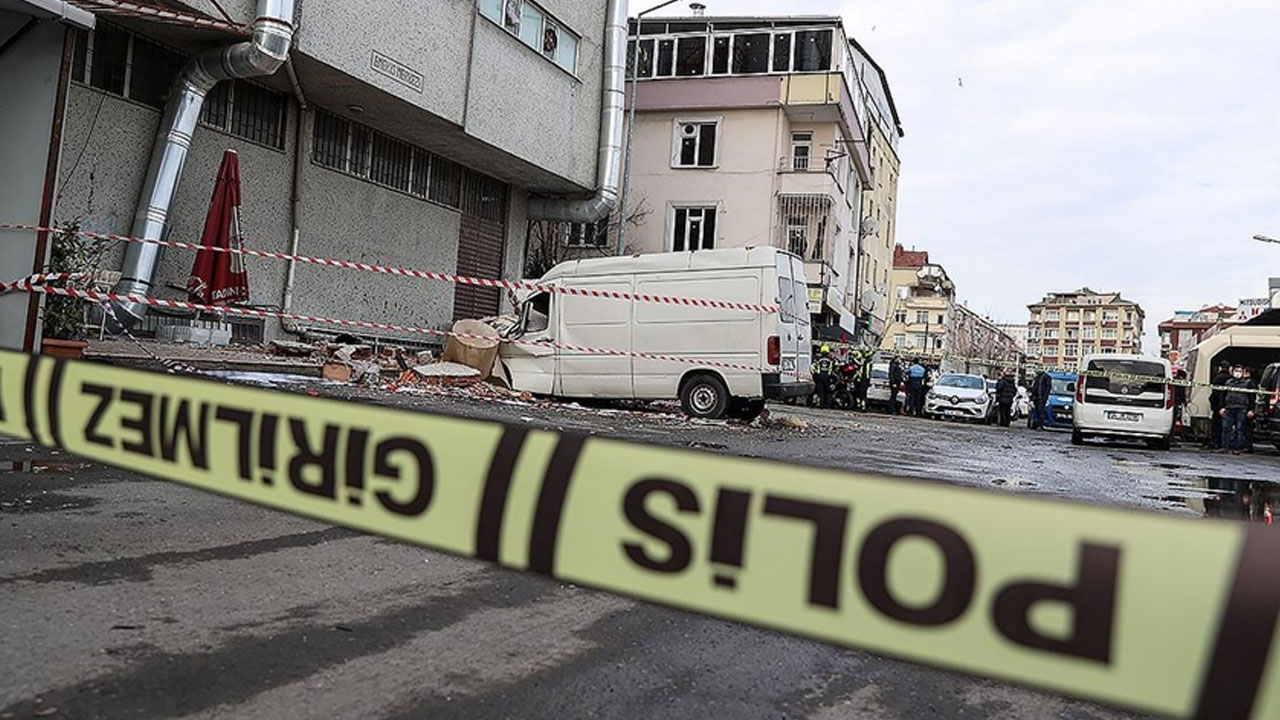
x=807 y=175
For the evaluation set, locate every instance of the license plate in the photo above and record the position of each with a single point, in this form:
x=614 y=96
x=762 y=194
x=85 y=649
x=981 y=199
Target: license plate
x=1124 y=416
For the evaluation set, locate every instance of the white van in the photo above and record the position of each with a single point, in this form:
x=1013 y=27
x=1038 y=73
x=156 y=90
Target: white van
x=1124 y=405
x=773 y=347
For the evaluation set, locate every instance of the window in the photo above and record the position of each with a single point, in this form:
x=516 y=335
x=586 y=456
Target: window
x=666 y=58
x=801 y=147
x=720 y=56
x=1073 y=316
x=750 y=53
x=541 y=32
x=900 y=316
x=1033 y=348
x=691 y=56
x=109 y=59
x=1108 y=351
x=1110 y=316
x=812 y=51
x=1072 y=333
x=246 y=110
x=937 y=343
x=922 y=317
x=1089 y=332
x=152 y=71
x=781 y=52
x=1071 y=350
x=798 y=234
x=1108 y=333
x=900 y=340
x=594 y=234
x=1033 y=333
x=1090 y=316
x=350 y=148
x=695 y=229
x=942 y=319
x=1051 y=333
x=1052 y=316
x=695 y=144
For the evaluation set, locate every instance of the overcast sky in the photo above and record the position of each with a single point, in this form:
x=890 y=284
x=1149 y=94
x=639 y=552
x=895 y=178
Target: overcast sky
x=1129 y=145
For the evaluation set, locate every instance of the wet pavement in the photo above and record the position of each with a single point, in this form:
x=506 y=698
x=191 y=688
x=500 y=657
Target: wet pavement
x=126 y=597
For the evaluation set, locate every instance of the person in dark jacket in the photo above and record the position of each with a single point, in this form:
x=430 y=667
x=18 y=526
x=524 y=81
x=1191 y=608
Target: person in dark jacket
x=1006 y=393
x=1179 y=402
x=824 y=371
x=1252 y=420
x=896 y=379
x=916 y=375
x=1237 y=408
x=1216 y=416
x=1041 y=390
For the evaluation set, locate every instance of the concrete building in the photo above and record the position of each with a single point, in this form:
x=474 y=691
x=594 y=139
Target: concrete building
x=420 y=135
x=878 y=228
x=1064 y=327
x=752 y=131
x=1017 y=331
x=1187 y=328
x=924 y=302
x=980 y=346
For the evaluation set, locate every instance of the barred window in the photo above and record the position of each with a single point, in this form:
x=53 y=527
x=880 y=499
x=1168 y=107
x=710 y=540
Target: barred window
x=109 y=59
x=446 y=182
x=247 y=111
x=356 y=150
x=594 y=234
x=152 y=72
x=329 y=146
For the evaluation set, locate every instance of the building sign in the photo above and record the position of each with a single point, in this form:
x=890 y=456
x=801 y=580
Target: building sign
x=399 y=72
x=815 y=301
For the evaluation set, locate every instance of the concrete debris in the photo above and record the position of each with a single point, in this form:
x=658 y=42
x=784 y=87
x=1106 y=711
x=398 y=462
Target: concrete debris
x=442 y=374
x=289 y=348
x=786 y=421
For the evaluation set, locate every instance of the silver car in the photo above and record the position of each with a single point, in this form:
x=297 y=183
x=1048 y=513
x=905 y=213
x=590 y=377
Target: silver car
x=959 y=396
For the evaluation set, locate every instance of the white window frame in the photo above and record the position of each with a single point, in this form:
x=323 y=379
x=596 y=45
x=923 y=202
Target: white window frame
x=1108 y=333
x=545 y=18
x=677 y=126
x=1052 y=316
x=670 y=240
x=802 y=139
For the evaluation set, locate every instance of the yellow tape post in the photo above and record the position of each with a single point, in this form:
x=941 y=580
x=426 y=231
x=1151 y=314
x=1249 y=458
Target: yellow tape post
x=1153 y=612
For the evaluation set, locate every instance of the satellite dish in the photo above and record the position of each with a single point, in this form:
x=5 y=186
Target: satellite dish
x=869 y=300
x=868 y=226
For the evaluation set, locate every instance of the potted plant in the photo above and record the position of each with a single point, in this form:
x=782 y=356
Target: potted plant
x=64 y=317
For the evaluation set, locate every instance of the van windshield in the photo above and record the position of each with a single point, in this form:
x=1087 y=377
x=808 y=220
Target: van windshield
x=879 y=374
x=1060 y=386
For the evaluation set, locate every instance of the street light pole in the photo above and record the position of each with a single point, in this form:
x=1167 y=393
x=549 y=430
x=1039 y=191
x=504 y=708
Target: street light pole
x=631 y=128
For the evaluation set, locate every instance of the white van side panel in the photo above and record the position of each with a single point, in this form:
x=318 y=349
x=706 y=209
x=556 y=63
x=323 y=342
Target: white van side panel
x=592 y=322
x=698 y=333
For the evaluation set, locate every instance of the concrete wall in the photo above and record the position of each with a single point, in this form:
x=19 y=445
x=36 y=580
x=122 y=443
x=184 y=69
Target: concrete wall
x=743 y=185
x=29 y=72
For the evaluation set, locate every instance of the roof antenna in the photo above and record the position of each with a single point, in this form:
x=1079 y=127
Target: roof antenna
x=698 y=9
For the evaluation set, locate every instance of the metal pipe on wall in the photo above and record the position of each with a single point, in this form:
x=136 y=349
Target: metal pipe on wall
x=261 y=55
x=609 y=153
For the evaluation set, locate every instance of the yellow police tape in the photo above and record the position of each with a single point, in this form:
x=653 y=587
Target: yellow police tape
x=1144 y=610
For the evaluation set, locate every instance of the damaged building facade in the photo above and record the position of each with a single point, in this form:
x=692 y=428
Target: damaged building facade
x=423 y=135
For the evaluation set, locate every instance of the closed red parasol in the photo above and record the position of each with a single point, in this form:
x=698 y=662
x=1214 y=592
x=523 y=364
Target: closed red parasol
x=219 y=278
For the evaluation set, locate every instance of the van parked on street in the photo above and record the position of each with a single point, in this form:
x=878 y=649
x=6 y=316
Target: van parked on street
x=1253 y=346
x=1135 y=403
x=776 y=345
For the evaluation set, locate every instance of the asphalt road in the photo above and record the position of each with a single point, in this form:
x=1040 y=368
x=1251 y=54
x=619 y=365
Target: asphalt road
x=124 y=597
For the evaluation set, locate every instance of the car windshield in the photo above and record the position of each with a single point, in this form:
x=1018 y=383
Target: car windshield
x=961 y=381
x=1060 y=386
x=879 y=374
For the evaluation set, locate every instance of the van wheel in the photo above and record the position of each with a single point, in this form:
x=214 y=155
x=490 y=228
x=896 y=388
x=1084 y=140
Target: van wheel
x=1077 y=438
x=1160 y=443
x=746 y=410
x=704 y=396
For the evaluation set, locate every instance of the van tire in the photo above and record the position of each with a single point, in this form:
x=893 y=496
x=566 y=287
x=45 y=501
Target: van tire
x=704 y=396
x=1163 y=443
x=1077 y=437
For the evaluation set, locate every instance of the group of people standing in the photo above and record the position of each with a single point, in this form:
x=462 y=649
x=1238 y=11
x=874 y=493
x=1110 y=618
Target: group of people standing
x=912 y=379
x=1233 y=404
x=842 y=384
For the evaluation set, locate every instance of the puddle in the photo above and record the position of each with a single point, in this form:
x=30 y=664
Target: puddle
x=1240 y=499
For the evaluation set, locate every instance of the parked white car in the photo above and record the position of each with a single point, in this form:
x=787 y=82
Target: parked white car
x=878 y=392
x=557 y=331
x=1126 y=405
x=955 y=395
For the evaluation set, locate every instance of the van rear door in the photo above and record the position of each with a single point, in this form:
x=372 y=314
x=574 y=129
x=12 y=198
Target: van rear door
x=788 y=325
x=804 y=333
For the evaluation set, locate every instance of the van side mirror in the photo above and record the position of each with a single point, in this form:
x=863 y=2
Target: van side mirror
x=1071 y=387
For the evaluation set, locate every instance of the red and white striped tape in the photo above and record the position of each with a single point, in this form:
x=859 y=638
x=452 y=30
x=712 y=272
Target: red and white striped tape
x=425 y=274
x=153 y=12
x=99 y=297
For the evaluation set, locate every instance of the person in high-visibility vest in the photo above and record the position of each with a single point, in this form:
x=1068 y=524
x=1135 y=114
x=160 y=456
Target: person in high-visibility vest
x=824 y=370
